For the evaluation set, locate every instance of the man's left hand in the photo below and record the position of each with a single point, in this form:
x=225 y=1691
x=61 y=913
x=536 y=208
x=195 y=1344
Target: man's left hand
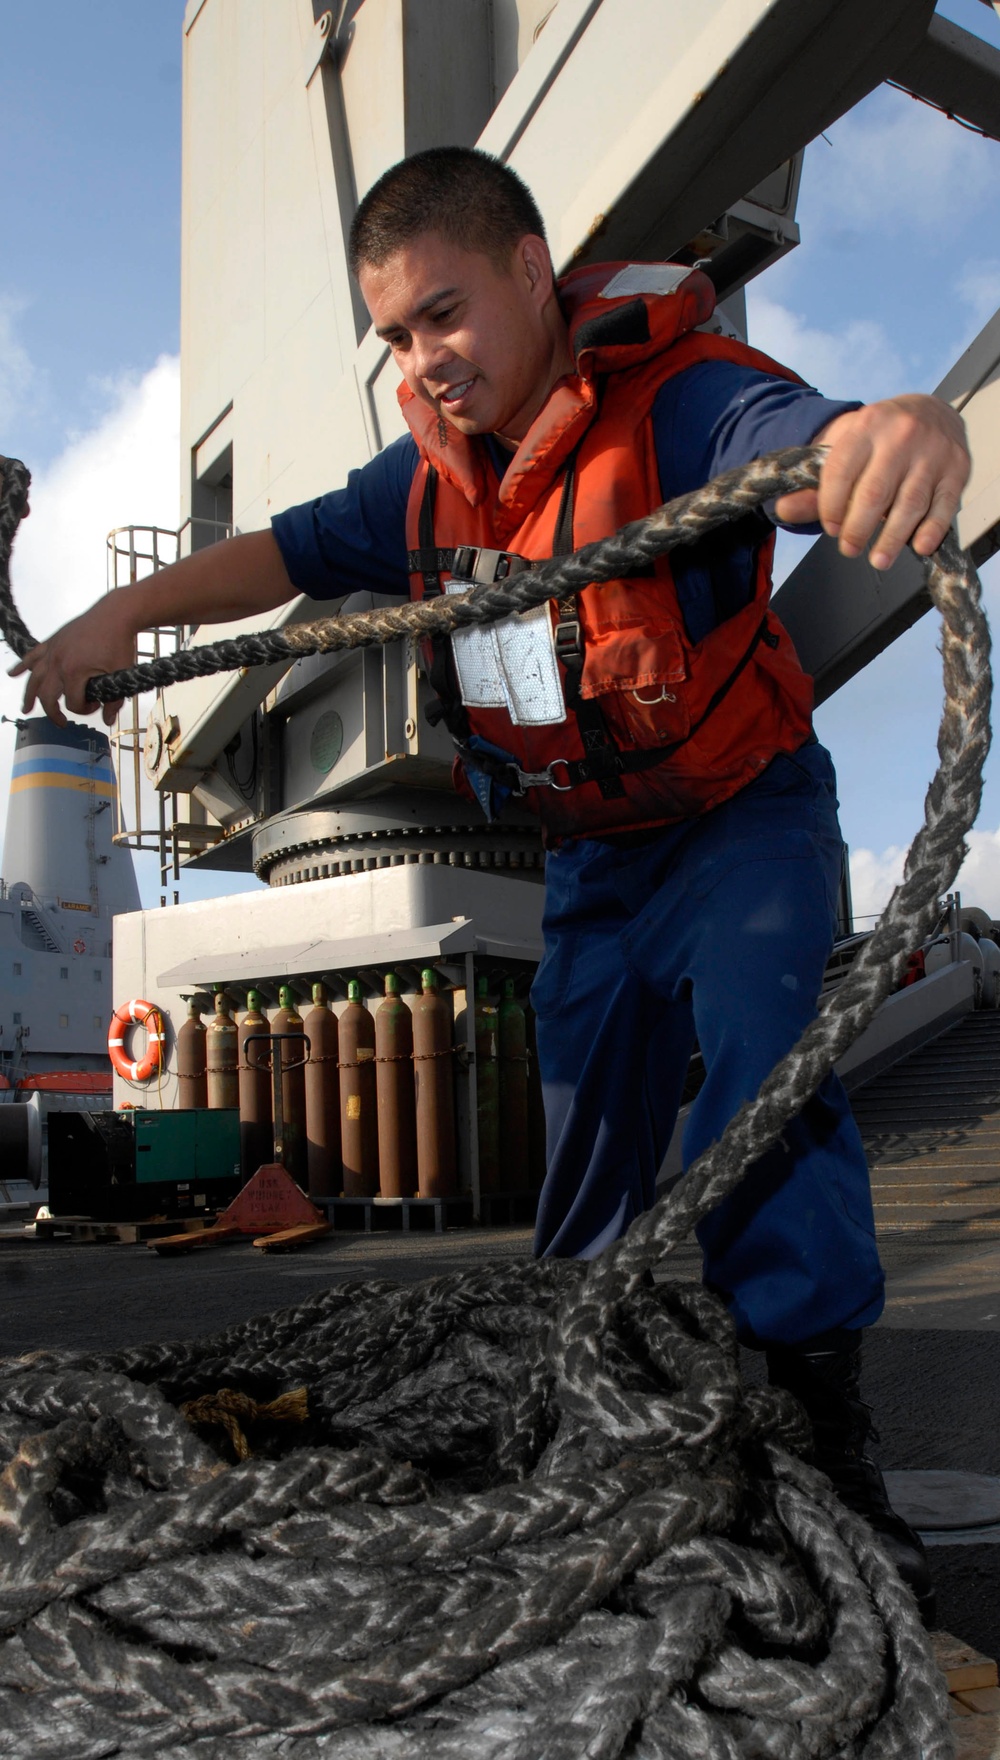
x=903 y=462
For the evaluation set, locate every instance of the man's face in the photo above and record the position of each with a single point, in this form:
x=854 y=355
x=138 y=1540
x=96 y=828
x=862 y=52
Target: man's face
x=474 y=341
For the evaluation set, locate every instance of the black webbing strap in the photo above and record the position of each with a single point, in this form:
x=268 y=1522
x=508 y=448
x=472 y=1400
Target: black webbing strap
x=427 y=561
x=603 y=757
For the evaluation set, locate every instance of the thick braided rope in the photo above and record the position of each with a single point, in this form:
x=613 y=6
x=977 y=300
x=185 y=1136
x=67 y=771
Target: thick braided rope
x=535 y=1516
x=682 y=521
x=15 y=481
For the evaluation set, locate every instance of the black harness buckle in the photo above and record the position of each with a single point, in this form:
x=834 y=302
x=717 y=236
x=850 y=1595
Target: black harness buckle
x=484 y=567
x=569 y=638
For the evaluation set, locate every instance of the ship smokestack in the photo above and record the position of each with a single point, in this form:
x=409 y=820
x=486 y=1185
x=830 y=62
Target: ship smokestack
x=60 y=820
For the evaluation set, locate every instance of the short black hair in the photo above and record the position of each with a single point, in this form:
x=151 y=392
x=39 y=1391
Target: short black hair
x=469 y=197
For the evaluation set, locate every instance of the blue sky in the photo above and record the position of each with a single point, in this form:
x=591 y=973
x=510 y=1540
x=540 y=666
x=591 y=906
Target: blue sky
x=898 y=269
x=90 y=270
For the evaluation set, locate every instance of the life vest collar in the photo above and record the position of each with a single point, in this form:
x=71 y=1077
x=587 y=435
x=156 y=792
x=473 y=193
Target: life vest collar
x=619 y=315
x=623 y=314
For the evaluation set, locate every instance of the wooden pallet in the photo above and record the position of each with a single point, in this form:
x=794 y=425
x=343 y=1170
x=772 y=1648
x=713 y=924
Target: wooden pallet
x=974 y=1697
x=89 y=1230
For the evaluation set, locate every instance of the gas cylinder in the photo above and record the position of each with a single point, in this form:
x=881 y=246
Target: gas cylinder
x=513 y=1047
x=221 y=1055
x=397 y=1119
x=192 y=1091
x=536 y=1106
x=358 y=1110
x=435 y=1085
x=322 y=1098
x=288 y=1022
x=256 y=1140
x=487 y=1089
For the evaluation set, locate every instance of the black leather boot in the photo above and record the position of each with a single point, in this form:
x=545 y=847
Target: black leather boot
x=825 y=1375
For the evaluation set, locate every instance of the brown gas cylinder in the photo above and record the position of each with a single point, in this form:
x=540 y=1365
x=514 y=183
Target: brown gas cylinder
x=487 y=1089
x=322 y=1098
x=435 y=1084
x=536 y=1106
x=221 y=1054
x=513 y=1092
x=288 y=1022
x=358 y=1110
x=192 y=1091
x=397 y=1119
x=256 y=1140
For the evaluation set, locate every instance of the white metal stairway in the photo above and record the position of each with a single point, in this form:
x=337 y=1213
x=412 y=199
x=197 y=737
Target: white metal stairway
x=931 y=1126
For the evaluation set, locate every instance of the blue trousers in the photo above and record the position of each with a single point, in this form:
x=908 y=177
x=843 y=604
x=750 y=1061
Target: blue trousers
x=718 y=928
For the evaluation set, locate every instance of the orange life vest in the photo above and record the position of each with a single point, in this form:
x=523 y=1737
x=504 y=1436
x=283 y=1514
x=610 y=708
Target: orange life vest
x=655 y=728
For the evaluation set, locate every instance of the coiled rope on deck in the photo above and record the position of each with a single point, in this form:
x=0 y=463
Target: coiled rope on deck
x=532 y=1514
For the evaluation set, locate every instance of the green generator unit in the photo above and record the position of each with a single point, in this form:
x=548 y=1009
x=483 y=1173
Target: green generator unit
x=128 y=1166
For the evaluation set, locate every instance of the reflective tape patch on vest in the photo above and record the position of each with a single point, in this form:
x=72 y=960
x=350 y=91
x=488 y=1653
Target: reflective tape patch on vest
x=656 y=278
x=510 y=665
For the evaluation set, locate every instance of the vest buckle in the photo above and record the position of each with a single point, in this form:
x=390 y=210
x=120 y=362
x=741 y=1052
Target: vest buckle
x=485 y=567
x=569 y=641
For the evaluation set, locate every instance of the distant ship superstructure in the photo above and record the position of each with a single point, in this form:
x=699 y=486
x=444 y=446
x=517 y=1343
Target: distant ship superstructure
x=63 y=881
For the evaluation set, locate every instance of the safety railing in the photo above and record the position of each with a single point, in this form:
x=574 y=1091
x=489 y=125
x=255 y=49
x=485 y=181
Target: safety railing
x=146 y=819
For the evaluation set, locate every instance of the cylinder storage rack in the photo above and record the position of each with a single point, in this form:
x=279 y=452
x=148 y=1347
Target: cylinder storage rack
x=410 y=1093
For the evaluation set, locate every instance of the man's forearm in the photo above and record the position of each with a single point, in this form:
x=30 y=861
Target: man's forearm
x=237 y=578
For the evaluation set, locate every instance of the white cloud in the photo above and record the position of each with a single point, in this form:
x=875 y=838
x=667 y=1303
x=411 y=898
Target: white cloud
x=873 y=877
x=896 y=164
x=858 y=360
x=124 y=471
x=979 y=877
x=874 y=874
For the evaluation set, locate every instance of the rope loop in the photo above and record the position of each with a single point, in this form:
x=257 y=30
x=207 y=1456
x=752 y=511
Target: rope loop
x=534 y=1515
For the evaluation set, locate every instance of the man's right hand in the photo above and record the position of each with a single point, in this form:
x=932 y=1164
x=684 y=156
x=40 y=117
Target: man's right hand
x=100 y=640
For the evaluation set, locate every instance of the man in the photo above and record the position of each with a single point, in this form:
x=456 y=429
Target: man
x=689 y=813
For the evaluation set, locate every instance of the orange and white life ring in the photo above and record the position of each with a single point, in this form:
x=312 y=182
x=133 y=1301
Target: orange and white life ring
x=143 y=1014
